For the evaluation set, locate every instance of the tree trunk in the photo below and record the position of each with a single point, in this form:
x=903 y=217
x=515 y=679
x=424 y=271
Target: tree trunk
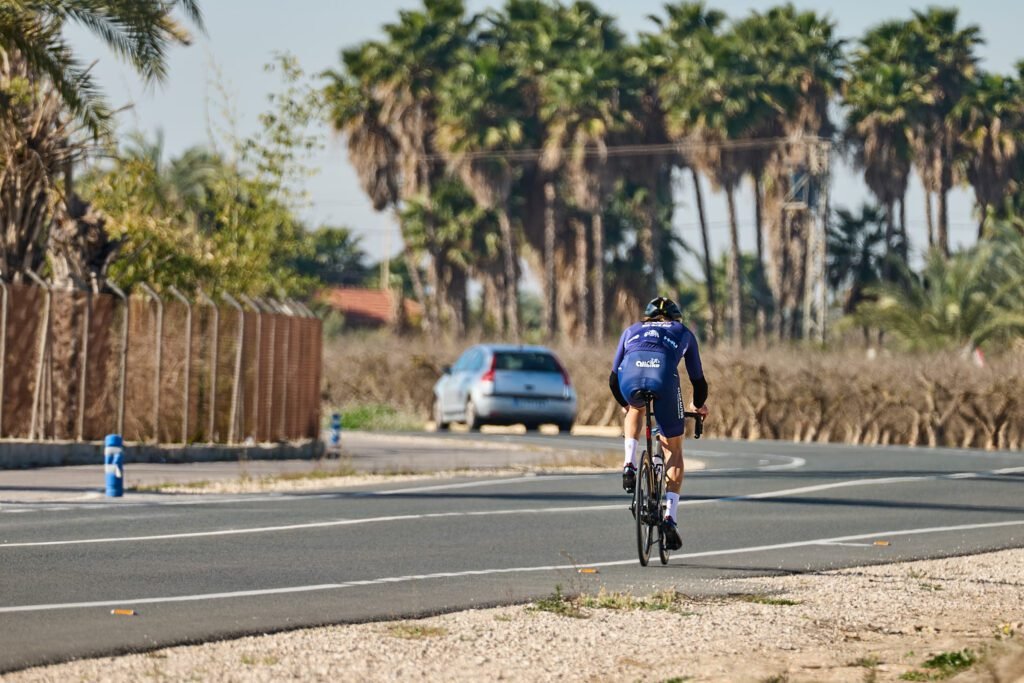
x=943 y=223
x=709 y=273
x=762 y=316
x=417 y=284
x=550 y=283
x=758 y=227
x=928 y=218
x=905 y=245
x=582 y=321
x=890 y=238
x=511 y=288
x=735 y=290
x=983 y=208
x=597 y=236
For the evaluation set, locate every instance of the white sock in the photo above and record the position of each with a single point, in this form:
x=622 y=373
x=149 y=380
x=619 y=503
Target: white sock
x=629 y=446
x=671 y=504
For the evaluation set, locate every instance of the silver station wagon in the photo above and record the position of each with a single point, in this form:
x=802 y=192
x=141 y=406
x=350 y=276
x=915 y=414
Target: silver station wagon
x=504 y=385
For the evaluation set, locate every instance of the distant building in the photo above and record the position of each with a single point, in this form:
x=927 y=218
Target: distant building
x=372 y=308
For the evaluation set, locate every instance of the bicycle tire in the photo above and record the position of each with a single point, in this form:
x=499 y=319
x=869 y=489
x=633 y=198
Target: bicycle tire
x=642 y=496
x=663 y=552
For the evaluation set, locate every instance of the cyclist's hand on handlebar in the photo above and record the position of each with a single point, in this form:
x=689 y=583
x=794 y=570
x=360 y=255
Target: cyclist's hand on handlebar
x=702 y=411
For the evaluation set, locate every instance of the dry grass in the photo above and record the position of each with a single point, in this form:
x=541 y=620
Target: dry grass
x=790 y=394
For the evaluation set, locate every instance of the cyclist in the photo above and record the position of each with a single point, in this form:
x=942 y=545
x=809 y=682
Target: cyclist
x=647 y=359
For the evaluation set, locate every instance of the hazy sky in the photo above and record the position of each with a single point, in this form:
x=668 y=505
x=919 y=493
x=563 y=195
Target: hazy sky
x=242 y=36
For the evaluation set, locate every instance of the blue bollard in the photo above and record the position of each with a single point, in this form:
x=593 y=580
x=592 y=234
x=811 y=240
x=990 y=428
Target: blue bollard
x=113 y=465
x=335 y=431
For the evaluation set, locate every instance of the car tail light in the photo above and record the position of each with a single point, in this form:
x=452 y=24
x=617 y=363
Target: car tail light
x=487 y=379
x=567 y=383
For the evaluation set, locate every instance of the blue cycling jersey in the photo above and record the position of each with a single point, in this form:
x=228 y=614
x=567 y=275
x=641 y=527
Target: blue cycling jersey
x=671 y=338
x=646 y=361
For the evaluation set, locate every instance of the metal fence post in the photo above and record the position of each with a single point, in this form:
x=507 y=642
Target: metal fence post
x=213 y=363
x=44 y=339
x=124 y=354
x=259 y=357
x=3 y=348
x=159 y=356
x=84 y=372
x=188 y=361
x=236 y=389
x=271 y=367
x=286 y=374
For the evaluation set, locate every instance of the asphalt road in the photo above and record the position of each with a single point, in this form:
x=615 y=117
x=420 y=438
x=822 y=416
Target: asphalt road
x=236 y=565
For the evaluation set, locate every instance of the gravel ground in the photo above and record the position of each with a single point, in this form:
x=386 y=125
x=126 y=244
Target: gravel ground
x=880 y=623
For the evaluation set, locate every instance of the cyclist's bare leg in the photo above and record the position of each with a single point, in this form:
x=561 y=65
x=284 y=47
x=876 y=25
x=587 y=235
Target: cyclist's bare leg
x=633 y=422
x=673 y=447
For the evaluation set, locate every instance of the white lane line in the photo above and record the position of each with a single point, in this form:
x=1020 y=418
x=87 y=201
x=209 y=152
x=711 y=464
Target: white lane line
x=503 y=570
x=474 y=484
x=781 y=493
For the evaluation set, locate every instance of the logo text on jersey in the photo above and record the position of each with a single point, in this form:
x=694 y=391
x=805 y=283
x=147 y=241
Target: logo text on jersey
x=651 y=333
x=649 y=363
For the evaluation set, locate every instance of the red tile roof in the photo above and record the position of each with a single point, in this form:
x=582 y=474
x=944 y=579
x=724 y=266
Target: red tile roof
x=367 y=306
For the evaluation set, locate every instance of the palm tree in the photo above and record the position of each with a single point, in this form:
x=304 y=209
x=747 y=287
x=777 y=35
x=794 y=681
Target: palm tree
x=480 y=123
x=943 y=58
x=883 y=100
x=385 y=101
x=714 y=100
x=579 y=97
x=140 y=31
x=686 y=35
x=856 y=252
x=795 y=62
x=961 y=301
x=990 y=117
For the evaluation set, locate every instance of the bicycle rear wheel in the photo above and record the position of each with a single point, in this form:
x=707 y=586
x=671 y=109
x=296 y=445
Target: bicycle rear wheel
x=642 y=503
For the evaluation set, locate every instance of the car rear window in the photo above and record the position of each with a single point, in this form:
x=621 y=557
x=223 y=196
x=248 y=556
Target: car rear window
x=533 y=361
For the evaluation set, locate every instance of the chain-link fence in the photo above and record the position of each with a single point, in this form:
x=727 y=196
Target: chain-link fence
x=76 y=366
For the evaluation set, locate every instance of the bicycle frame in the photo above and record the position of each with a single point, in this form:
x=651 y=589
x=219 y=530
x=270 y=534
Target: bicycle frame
x=648 y=504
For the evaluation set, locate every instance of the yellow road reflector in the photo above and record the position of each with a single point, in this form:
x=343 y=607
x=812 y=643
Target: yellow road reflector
x=588 y=570
x=881 y=542
x=123 y=612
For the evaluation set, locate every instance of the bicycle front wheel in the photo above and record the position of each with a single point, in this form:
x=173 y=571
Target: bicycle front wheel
x=642 y=502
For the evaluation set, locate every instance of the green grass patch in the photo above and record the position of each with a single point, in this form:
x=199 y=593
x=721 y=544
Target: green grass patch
x=561 y=604
x=943 y=665
x=409 y=631
x=378 y=417
x=666 y=600
x=760 y=599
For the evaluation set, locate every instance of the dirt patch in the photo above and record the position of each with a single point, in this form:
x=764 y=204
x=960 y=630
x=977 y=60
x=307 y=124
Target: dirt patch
x=958 y=618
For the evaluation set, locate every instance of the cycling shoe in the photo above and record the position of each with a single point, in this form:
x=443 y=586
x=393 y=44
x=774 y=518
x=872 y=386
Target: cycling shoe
x=629 y=478
x=670 y=534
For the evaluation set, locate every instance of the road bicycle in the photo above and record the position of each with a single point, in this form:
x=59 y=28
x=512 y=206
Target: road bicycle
x=648 y=504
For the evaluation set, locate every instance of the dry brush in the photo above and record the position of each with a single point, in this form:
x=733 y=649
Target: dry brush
x=793 y=395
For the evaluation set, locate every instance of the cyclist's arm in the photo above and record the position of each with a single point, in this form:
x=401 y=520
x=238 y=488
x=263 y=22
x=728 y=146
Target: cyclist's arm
x=613 y=384
x=695 y=371
x=613 y=378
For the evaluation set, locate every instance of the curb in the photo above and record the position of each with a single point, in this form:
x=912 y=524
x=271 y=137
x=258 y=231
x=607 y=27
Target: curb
x=28 y=454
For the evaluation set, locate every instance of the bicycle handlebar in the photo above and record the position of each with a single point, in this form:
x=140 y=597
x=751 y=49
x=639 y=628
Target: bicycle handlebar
x=698 y=423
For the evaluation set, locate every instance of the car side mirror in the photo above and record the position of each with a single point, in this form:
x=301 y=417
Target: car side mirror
x=446 y=369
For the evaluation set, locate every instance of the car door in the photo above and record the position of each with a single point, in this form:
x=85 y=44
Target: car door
x=467 y=376
x=451 y=391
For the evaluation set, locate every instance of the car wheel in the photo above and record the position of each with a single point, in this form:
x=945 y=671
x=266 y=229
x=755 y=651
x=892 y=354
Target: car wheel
x=532 y=426
x=472 y=419
x=564 y=427
x=439 y=420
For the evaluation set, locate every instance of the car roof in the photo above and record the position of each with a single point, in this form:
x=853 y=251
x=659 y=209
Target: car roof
x=499 y=348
